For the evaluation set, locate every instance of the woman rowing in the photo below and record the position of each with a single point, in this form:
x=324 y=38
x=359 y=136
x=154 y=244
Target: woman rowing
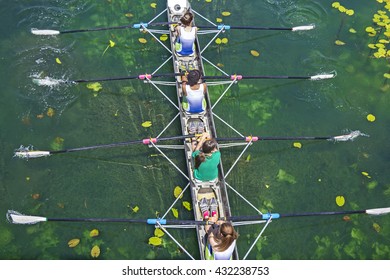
x=186 y=34
x=221 y=239
x=207 y=157
x=194 y=91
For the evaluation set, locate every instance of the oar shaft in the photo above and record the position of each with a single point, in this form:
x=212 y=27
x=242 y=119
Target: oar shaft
x=141 y=77
x=273 y=138
x=119 y=144
x=95 y=29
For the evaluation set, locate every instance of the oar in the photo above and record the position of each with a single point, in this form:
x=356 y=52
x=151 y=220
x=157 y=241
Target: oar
x=227 y=27
x=241 y=77
x=47 y=81
x=51 y=32
x=27 y=152
x=15 y=217
x=347 y=137
x=375 y=211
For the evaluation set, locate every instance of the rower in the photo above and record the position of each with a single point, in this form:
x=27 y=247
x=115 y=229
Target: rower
x=194 y=92
x=186 y=34
x=221 y=238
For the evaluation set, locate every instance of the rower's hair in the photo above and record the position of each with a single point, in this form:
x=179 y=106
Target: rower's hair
x=187 y=18
x=225 y=237
x=207 y=147
x=193 y=77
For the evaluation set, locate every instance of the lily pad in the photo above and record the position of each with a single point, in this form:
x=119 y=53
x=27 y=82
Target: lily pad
x=95 y=252
x=158 y=232
x=73 y=242
x=155 y=241
x=94 y=232
x=177 y=191
x=175 y=213
x=340 y=200
x=187 y=205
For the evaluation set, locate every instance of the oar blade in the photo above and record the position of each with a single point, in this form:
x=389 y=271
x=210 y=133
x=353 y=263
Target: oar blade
x=348 y=137
x=45 y=32
x=303 y=28
x=15 y=217
x=378 y=211
x=323 y=76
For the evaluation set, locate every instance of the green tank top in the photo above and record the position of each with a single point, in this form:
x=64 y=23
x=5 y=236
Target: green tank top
x=208 y=170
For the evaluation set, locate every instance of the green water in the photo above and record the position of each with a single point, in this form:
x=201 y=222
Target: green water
x=107 y=183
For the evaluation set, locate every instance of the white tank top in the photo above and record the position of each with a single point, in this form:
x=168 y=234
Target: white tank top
x=225 y=255
x=195 y=99
x=187 y=39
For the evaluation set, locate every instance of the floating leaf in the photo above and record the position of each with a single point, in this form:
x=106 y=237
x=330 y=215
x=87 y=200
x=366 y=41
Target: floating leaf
x=220 y=65
x=370 y=29
x=297 y=145
x=135 y=209
x=147 y=124
x=153 y=5
x=339 y=43
x=177 y=191
x=376 y=227
x=342 y=9
x=209 y=1
x=50 y=112
x=175 y=213
x=155 y=241
x=40 y=116
x=371 y=118
x=226 y=14
x=27 y=178
x=58 y=60
x=142 y=40
x=95 y=252
x=112 y=44
x=94 y=232
x=372 y=46
x=218 y=41
x=248 y=158
x=158 y=232
x=347 y=218
x=164 y=37
x=351 y=30
x=255 y=53
x=95 y=86
x=364 y=173
x=73 y=243
x=187 y=205
x=219 y=20
x=129 y=15
x=267 y=186
x=386 y=75
x=224 y=40
x=350 y=12
x=35 y=196
x=336 y=5
x=340 y=200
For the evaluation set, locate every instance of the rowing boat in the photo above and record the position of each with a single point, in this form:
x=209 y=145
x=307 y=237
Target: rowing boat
x=199 y=190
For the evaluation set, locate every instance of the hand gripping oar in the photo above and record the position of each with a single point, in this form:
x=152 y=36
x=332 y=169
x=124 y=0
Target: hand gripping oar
x=375 y=211
x=28 y=152
x=50 y=32
x=15 y=217
x=51 y=82
x=243 y=77
x=340 y=138
x=228 y=27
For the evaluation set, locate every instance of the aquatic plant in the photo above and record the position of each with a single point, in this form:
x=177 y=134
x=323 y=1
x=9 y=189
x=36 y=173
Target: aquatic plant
x=381 y=31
